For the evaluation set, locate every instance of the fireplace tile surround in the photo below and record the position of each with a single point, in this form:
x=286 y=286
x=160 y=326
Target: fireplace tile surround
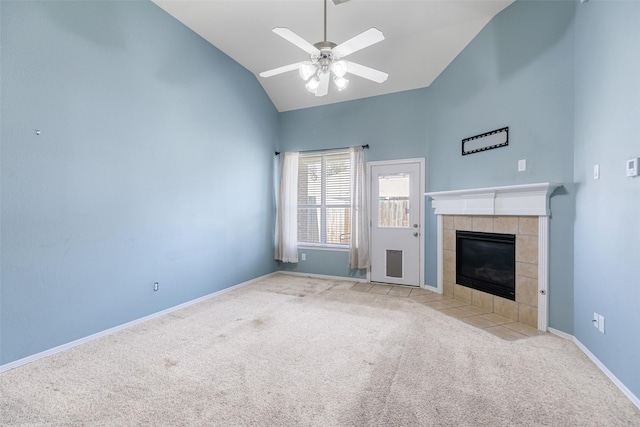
x=524 y=309
x=522 y=210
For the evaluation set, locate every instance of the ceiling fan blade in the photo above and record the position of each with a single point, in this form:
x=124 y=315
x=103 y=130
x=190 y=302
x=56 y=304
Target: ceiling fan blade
x=362 y=40
x=366 y=72
x=292 y=37
x=280 y=70
x=323 y=89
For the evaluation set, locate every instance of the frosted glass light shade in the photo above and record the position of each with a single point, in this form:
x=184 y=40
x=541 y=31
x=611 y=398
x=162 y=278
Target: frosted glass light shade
x=312 y=85
x=306 y=69
x=339 y=69
x=341 y=83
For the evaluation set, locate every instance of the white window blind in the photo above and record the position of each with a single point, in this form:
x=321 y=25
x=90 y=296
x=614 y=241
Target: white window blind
x=324 y=198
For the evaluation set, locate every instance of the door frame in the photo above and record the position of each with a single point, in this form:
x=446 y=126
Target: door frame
x=421 y=190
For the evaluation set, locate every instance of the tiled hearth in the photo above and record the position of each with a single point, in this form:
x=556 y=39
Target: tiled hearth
x=501 y=326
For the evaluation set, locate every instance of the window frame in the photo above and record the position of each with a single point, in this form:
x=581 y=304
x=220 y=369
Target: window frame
x=323 y=206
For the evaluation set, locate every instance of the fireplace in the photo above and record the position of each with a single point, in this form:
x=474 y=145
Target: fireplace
x=487 y=262
x=521 y=210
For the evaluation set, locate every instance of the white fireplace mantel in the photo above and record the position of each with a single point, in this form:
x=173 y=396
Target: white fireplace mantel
x=518 y=200
x=524 y=200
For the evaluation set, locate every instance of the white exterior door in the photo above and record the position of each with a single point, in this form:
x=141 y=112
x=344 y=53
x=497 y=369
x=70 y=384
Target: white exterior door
x=396 y=221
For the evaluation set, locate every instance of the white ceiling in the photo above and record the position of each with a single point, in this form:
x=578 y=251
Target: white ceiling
x=421 y=38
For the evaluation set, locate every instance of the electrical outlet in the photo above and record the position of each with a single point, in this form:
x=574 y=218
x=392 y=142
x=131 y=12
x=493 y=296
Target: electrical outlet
x=632 y=167
x=304 y=257
x=155 y=286
x=601 y=323
x=596 y=319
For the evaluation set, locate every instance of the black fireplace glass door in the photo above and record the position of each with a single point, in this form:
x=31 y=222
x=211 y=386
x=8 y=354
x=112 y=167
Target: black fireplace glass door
x=486 y=262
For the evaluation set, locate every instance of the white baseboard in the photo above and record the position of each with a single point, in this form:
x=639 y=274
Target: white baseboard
x=632 y=397
x=63 y=347
x=561 y=334
x=352 y=279
x=12 y=365
x=433 y=289
x=322 y=276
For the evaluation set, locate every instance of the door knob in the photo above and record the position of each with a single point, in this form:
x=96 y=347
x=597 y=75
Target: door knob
x=416 y=234
x=415 y=225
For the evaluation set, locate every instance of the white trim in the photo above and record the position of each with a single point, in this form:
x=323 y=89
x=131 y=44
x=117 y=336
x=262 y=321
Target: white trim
x=21 y=362
x=561 y=334
x=395 y=162
x=431 y=288
x=632 y=397
x=321 y=151
x=335 y=248
x=543 y=273
x=369 y=179
x=440 y=245
x=423 y=178
x=323 y=276
x=50 y=352
x=518 y=200
x=423 y=214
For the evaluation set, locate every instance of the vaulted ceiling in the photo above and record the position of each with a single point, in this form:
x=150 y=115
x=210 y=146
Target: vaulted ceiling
x=422 y=37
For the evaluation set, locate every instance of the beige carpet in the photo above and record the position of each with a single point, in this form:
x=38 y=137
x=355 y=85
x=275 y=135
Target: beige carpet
x=307 y=352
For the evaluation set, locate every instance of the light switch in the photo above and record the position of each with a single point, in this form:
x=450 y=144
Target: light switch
x=596 y=171
x=601 y=323
x=522 y=165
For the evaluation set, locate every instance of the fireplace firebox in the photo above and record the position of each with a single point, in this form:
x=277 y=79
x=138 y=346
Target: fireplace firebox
x=487 y=262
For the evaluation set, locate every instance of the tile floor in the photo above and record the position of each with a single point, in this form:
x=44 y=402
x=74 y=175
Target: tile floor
x=497 y=325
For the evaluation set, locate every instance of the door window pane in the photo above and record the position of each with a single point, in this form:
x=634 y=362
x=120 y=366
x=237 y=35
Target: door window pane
x=393 y=200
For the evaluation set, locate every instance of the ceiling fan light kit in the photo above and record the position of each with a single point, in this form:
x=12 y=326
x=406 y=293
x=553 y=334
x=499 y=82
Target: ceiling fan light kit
x=312 y=85
x=307 y=69
x=326 y=59
x=341 y=83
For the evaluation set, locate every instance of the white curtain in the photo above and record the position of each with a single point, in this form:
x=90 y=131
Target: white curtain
x=286 y=249
x=359 y=248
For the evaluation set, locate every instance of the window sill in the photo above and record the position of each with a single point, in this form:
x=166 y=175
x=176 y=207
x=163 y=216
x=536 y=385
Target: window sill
x=339 y=248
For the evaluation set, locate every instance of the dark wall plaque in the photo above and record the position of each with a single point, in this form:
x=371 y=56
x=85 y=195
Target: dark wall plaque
x=486 y=141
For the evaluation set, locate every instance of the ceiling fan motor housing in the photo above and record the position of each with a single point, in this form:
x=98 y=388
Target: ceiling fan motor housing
x=325 y=56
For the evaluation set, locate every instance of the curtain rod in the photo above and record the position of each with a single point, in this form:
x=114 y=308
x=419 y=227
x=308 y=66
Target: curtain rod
x=365 y=146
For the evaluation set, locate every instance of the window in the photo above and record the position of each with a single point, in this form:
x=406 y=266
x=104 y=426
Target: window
x=324 y=198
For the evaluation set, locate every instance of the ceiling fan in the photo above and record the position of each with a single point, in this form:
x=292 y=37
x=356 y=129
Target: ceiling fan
x=326 y=59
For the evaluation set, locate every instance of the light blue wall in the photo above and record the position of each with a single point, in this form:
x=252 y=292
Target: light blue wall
x=607 y=226
x=517 y=72
x=512 y=74
x=155 y=163
x=324 y=262
x=392 y=125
